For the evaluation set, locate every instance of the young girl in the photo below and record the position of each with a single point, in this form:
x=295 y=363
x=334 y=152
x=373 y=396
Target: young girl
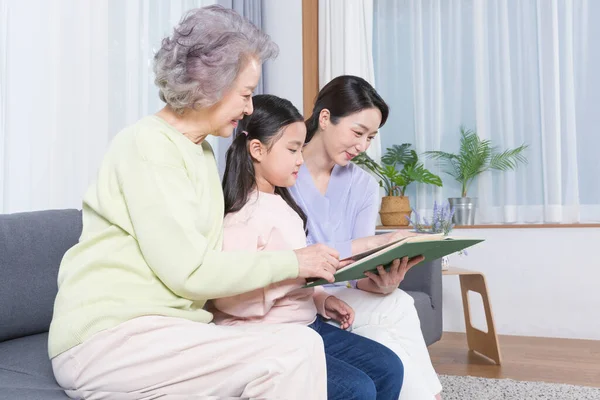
x=262 y=162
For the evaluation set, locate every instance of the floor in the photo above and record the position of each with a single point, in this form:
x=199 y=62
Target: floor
x=575 y=362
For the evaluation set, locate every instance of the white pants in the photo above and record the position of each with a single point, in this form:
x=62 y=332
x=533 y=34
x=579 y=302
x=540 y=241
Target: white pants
x=392 y=320
x=172 y=358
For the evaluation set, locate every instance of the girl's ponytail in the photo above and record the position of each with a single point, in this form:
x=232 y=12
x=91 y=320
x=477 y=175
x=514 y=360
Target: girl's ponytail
x=238 y=179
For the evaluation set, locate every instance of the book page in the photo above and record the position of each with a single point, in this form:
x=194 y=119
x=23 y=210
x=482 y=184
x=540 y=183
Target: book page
x=382 y=249
x=366 y=253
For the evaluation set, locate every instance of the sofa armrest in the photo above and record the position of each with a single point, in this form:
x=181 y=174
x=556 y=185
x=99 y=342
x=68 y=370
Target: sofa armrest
x=427 y=278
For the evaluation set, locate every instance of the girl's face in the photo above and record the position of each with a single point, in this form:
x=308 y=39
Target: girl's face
x=351 y=136
x=277 y=164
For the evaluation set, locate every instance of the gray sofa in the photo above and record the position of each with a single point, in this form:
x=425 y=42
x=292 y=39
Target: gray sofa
x=31 y=247
x=424 y=283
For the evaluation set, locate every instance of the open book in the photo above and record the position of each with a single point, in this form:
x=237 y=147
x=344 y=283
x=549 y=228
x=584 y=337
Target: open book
x=431 y=246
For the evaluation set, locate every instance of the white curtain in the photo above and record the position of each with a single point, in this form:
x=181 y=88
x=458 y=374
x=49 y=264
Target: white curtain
x=346 y=45
x=72 y=74
x=253 y=11
x=517 y=72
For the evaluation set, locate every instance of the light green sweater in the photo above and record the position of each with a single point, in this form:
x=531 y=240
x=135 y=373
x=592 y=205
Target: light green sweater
x=151 y=240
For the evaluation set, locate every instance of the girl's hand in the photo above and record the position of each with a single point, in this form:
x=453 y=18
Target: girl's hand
x=339 y=311
x=387 y=281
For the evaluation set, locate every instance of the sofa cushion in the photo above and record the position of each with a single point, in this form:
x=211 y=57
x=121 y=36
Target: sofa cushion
x=31 y=247
x=25 y=370
x=32 y=394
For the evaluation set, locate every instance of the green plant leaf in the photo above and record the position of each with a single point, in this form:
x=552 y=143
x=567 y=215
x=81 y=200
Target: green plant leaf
x=476 y=156
x=368 y=163
x=395 y=181
x=449 y=161
x=392 y=173
x=399 y=154
x=508 y=159
x=422 y=175
x=364 y=160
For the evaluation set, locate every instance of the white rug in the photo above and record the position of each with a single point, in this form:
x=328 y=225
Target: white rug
x=472 y=388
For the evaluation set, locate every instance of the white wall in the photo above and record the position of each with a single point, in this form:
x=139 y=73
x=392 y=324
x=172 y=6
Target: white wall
x=541 y=282
x=282 y=20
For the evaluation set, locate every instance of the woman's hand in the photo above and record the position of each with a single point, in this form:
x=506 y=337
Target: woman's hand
x=318 y=261
x=339 y=311
x=400 y=234
x=370 y=242
x=387 y=281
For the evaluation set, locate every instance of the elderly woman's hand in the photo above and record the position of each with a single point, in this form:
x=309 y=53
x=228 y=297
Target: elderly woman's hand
x=318 y=261
x=387 y=281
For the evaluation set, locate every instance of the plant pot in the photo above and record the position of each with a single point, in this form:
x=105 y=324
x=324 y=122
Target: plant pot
x=464 y=210
x=394 y=210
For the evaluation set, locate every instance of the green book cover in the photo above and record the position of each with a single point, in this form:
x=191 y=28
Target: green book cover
x=431 y=247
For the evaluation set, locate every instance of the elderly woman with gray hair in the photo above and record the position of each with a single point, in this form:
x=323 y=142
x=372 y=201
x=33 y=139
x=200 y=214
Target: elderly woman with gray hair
x=128 y=318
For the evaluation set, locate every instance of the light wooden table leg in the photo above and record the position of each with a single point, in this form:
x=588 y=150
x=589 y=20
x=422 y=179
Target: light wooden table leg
x=479 y=341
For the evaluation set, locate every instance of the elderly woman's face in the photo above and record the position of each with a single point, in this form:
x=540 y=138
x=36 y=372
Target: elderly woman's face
x=237 y=101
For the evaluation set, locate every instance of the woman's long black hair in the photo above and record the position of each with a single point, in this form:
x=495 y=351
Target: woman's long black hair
x=271 y=114
x=342 y=96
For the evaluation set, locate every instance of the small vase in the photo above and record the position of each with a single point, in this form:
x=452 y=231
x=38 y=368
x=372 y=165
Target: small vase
x=445 y=263
x=394 y=210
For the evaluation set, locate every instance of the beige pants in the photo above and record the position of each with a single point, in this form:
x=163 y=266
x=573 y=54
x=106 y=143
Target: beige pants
x=171 y=358
x=392 y=320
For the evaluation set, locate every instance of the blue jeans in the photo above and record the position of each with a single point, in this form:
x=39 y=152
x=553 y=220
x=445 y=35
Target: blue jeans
x=358 y=368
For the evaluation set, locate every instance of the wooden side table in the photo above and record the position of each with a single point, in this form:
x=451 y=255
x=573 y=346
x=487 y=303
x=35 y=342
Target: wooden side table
x=485 y=343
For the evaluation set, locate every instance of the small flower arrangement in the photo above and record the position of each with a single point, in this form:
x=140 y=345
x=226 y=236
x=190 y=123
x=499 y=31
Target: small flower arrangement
x=441 y=221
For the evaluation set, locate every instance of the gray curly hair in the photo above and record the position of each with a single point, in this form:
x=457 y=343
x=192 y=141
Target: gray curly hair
x=203 y=56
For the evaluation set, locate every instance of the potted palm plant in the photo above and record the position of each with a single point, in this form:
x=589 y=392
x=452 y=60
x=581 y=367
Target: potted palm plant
x=475 y=157
x=400 y=166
